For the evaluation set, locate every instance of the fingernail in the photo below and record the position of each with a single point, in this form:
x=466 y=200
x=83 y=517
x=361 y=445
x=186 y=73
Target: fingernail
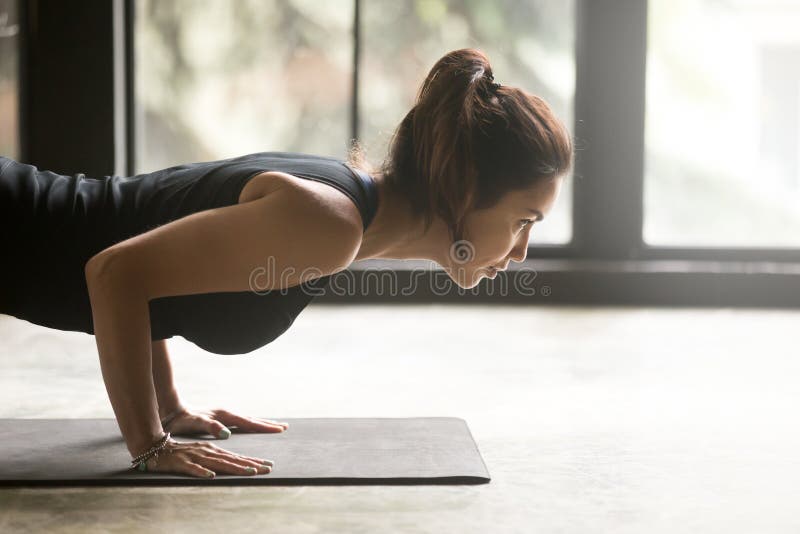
x=224 y=433
x=268 y=466
x=210 y=474
x=251 y=470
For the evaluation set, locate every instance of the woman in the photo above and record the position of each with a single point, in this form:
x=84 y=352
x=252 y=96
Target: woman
x=211 y=251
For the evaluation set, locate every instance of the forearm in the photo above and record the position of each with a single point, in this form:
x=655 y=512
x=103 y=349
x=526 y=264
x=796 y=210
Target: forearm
x=166 y=393
x=122 y=333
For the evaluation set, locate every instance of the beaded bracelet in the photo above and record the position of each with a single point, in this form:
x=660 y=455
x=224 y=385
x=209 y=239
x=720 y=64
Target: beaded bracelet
x=140 y=462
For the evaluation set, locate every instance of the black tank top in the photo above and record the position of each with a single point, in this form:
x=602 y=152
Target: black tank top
x=52 y=224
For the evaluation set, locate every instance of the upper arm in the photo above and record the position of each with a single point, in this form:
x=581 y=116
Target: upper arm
x=277 y=241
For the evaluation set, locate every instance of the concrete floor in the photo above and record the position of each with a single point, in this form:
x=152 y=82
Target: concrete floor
x=589 y=419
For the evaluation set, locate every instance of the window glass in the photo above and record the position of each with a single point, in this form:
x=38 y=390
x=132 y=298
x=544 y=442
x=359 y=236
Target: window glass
x=723 y=123
x=9 y=93
x=223 y=78
x=530 y=45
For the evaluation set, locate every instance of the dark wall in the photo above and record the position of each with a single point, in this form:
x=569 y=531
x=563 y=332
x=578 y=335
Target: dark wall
x=67 y=86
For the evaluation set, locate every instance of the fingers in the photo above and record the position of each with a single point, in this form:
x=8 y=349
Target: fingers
x=272 y=422
x=195 y=470
x=269 y=428
x=247 y=461
x=235 y=466
x=217 y=429
x=252 y=424
x=173 y=463
x=259 y=460
x=203 y=459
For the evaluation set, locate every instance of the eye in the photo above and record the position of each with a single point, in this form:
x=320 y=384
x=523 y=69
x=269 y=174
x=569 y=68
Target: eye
x=525 y=222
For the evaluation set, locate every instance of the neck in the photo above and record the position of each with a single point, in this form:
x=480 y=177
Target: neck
x=397 y=233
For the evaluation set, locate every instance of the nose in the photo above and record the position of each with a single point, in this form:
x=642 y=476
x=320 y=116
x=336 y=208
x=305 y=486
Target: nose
x=520 y=251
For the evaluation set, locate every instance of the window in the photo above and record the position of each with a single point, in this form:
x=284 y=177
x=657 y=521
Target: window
x=686 y=115
x=722 y=162
x=530 y=44
x=9 y=93
x=222 y=78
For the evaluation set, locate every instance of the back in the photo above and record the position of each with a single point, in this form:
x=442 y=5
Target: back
x=58 y=222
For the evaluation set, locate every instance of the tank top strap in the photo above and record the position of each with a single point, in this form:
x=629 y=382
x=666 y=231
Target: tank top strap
x=370 y=189
x=361 y=187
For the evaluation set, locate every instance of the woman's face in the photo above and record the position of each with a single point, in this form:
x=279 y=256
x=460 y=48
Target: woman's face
x=497 y=235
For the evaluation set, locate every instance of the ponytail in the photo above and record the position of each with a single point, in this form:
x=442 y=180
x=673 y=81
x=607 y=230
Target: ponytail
x=467 y=141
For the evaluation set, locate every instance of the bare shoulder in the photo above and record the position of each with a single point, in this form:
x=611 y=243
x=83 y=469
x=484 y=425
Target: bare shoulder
x=326 y=201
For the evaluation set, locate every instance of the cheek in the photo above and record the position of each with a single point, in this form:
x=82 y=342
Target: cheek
x=487 y=253
x=492 y=248
x=486 y=243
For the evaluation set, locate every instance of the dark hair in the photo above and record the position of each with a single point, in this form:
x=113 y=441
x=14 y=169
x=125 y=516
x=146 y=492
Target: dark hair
x=467 y=142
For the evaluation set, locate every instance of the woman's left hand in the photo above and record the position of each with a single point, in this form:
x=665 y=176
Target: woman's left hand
x=217 y=422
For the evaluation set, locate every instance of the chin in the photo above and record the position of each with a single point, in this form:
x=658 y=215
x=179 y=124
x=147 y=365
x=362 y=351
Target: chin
x=469 y=280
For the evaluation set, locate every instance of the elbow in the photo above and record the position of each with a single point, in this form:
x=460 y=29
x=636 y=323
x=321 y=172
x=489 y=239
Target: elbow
x=92 y=267
x=104 y=274
x=97 y=266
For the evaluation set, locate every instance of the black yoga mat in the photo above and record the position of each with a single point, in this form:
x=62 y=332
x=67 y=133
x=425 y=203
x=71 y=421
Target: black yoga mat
x=313 y=451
